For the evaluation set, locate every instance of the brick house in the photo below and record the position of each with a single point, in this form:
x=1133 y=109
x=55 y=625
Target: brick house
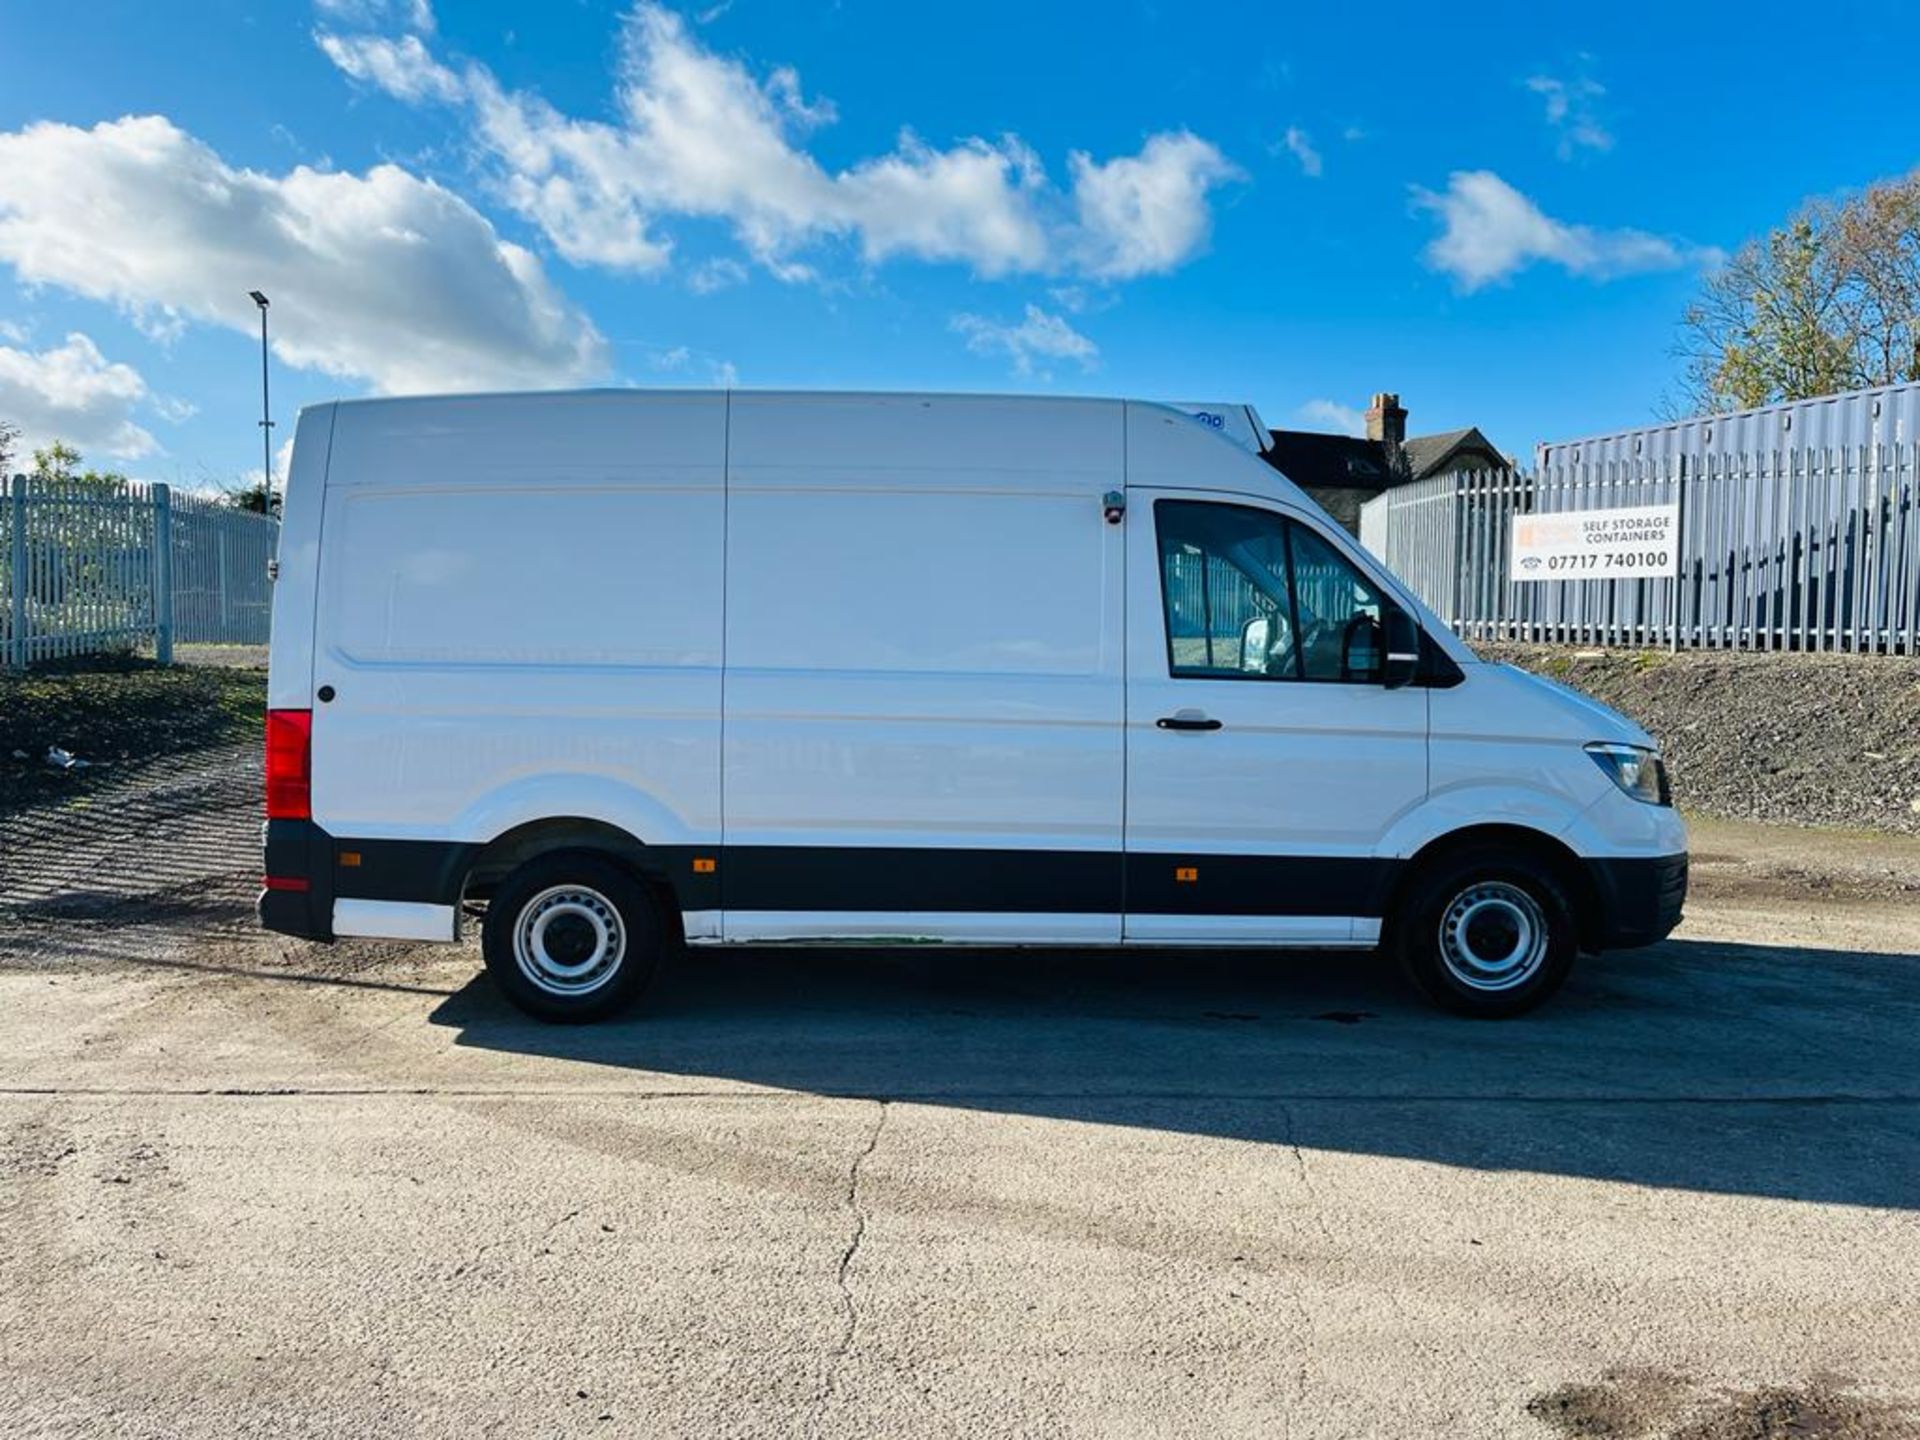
x=1343 y=471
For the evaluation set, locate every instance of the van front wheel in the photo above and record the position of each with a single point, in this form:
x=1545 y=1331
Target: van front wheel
x=1487 y=933
x=571 y=936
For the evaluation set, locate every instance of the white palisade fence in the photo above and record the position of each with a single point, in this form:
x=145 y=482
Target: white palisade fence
x=1784 y=549
x=89 y=566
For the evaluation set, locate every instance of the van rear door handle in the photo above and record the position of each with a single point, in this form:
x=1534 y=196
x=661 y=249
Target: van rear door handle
x=1187 y=720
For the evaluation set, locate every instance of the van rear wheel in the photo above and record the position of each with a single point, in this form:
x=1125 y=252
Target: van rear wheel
x=571 y=936
x=1487 y=932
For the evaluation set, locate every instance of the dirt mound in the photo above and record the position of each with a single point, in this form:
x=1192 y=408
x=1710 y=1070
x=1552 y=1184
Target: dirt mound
x=1791 y=739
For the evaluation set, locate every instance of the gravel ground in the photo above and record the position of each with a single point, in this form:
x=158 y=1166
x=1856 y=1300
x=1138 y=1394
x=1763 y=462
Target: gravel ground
x=1787 y=739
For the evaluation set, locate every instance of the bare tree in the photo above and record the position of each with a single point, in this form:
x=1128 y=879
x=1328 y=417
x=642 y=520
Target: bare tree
x=1829 y=301
x=9 y=433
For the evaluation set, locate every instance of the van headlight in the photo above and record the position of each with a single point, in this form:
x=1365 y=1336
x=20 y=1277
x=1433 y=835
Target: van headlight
x=1635 y=769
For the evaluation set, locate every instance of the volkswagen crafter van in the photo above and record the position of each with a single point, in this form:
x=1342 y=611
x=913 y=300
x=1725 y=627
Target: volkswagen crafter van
x=634 y=669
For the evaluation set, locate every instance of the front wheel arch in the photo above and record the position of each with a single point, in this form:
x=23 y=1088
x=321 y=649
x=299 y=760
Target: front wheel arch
x=1566 y=866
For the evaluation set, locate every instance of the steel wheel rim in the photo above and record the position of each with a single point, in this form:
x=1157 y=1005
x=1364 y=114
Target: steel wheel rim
x=568 y=940
x=1493 y=937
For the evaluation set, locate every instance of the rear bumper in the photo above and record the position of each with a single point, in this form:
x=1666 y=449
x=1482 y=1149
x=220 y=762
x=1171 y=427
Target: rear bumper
x=1640 y=900
x=299 y=853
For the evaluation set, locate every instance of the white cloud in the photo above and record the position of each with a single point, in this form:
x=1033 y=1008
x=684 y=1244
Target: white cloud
x=414 y=14
x=684 y=360
x=74 y=393
x=1489 y=231
x=1331 y=415
x=403 y=68
x=1297 y=143
x=383 y=276
x=1573 y=112
x=282 y=457
x=696 y=134
x=720 y=273
x=1147 y=213
x=1039 y=335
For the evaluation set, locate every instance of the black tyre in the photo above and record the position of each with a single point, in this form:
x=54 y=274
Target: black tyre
x=1486 y=932
x=572 y=936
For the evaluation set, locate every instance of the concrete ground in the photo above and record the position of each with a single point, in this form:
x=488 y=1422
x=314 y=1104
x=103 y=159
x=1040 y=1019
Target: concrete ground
x=254 y=1187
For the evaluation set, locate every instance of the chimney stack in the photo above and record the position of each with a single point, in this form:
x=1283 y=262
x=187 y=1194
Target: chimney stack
x=1386 y=420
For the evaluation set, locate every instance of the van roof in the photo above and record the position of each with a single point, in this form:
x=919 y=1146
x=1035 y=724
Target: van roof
x=382 y=437
x=652 y=392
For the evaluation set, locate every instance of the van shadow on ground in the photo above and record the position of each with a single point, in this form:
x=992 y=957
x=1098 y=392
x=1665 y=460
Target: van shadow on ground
x=1729 y=1068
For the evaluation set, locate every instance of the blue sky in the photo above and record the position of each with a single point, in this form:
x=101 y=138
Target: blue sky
x=1292 y=205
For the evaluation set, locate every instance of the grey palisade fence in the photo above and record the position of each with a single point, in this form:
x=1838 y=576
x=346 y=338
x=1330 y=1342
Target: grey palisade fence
x=1782 y=549
x=89 y=565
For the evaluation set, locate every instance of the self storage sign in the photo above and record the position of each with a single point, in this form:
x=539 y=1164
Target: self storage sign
x=1633 y=543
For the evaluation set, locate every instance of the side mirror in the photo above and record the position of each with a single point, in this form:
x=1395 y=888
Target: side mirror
x=1403 y=649
x=1253 y=645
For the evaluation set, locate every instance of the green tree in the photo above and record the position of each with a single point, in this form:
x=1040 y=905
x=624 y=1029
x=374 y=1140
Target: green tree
x=8 y=435
x=257 y=497
x=59 y=464
x=1829 y=301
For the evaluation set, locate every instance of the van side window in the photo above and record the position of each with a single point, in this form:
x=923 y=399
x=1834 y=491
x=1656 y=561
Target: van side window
x=1223 y=578
x=1250 y=596
x=1341 y=637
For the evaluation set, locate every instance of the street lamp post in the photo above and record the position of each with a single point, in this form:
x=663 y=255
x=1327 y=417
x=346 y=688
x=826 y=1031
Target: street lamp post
x=266 y=411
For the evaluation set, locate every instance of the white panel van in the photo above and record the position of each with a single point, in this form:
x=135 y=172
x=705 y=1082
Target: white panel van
x=633 y=669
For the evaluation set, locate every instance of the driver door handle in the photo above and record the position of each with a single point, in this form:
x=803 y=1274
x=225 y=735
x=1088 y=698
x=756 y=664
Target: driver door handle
x=1187 y=720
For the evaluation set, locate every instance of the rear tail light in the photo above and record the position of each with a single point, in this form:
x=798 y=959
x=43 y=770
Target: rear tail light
x=289 y=764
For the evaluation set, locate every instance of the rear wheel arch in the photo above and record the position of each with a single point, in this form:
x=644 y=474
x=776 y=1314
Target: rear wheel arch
x=515 y=848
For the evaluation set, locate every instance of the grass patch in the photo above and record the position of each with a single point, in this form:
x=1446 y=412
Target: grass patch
x=116 y=713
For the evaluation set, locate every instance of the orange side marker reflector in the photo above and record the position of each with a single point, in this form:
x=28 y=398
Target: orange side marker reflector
x=350 y=858
x=1186 y=874
x=703 y=865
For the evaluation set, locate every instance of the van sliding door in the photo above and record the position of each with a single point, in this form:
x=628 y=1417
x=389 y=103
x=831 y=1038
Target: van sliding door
x=925 y=680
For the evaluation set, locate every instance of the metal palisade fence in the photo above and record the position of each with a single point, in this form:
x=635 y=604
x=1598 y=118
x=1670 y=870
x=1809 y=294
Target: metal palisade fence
x=97 y=565
x=1791 y=549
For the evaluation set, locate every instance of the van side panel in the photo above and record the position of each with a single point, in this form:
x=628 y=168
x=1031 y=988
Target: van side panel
x=925 y=657
x=520 y=614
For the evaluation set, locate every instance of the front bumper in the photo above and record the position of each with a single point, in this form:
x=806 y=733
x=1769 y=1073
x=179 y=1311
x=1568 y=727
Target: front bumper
x=1640 y=900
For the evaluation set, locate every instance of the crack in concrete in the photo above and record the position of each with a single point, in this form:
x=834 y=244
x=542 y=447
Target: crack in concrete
x=850 y=1309
x=1302 y=1310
